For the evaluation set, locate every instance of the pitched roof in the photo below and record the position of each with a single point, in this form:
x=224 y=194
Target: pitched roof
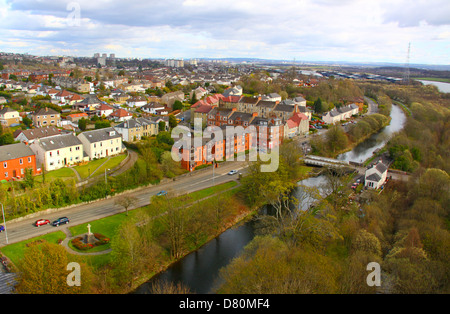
x=203 y=109
x=13 y=151
x=31 y=134
x=100 y=135
x=120 y=113
x=45 y=111
x=59 y=141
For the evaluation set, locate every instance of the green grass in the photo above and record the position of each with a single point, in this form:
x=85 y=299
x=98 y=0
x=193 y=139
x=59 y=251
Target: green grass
x=96 y=165
x=16 y=251
x=106 y=226
x=63 y=173
x=85 y=170
x=195 y=196
x=444 y=80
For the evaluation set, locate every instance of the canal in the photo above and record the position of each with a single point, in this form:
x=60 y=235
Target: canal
x=199 y=270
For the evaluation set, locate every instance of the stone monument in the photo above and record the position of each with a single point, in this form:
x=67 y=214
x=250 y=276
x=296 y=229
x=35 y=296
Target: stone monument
x=89 y=238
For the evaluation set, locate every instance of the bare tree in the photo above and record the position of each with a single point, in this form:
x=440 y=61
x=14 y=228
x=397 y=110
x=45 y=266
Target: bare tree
x=126 y=201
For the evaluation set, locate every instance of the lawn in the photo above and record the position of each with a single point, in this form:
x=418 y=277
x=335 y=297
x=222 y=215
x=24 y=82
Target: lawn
x=63 y=173
x=16 y=251
x=195 y=196
x=96 y=165
x=106 y=226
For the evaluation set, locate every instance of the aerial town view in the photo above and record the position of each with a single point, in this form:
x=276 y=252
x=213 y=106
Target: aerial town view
x=225 y=153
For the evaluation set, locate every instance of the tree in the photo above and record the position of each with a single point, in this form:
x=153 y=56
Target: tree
x=102 y=124
x=177 y=105
x=43 y=270
x=82 y=123
x=126 y=201
x=172 y=121
x=161 y=126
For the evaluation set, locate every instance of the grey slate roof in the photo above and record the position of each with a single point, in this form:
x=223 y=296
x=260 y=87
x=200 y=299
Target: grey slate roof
x=13 y=151
x=101 y=135
x=31 y=134
x=381 y=167
x=374 y=177
x=59 y=141
x=133 y=123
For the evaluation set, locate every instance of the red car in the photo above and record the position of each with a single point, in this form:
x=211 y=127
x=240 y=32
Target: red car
x=41 y=222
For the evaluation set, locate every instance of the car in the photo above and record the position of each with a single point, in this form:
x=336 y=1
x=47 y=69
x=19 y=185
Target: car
x=60 y=221
x=41 y=222
x=161 y=193
x=232 y=172
x=2 y=228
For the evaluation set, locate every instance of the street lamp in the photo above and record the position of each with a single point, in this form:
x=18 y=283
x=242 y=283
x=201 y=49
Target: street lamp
x=4 y=224
x=106 y=180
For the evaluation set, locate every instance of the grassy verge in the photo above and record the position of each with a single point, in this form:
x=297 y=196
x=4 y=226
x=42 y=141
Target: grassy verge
x=16 y=251
x=434 y=79
x=63 y=173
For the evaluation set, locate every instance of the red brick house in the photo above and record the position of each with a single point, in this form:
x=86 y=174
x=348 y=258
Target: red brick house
x=14 y=159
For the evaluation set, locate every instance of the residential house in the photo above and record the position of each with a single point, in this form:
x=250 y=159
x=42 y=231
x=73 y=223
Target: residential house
x=58 y=151
x=201 y=112
x=170 y=98
x=104 y=110
x=272 y=97
x=298 y=124
x=75 y=117
x=14 y=159
x=341 y=113
x=199 y=93
x=9 y=116
x=120 y=115
x=134 y=129
x=45 y=117
x=151 y=108
x=136 y=101
x=101 y=143
x=376 y=175
x=30 y=135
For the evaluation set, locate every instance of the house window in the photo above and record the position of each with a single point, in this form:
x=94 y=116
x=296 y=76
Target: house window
x=29 y=159
x=5 y=165
x=6 y=174
x=21 y=171
x=21 y=161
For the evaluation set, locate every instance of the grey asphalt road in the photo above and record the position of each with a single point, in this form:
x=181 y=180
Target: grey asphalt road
x=25 y=229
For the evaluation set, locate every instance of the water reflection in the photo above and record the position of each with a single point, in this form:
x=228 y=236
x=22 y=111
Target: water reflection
x=200 y=269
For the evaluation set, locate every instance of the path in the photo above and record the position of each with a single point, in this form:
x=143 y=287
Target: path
x=132 y=158
x=65 y=244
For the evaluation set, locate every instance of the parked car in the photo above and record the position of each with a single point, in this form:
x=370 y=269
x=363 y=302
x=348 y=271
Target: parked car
x=2 y=228
x=232 y=172
x=160 y=193
x=41 y=222
x=60 y=221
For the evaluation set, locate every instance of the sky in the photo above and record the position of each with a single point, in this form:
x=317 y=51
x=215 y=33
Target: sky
x=300 y=30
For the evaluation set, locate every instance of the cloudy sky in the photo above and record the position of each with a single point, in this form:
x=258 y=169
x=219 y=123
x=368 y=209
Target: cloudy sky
x=304 y=30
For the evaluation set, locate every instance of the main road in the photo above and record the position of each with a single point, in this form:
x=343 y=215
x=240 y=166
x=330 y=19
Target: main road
x=24 y=229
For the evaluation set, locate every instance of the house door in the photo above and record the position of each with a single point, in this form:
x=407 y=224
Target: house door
x=14 y=174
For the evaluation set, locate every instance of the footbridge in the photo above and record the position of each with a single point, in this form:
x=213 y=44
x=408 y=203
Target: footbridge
x=319 y=161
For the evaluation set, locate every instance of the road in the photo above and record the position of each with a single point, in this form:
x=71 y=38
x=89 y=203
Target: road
x=373 y=106
x=25 y=229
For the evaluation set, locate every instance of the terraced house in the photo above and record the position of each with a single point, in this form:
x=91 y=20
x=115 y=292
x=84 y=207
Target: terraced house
x=58 y=151
x=134 y=129
x=101 y=143
x=14 y=159
x=9 y=116
x=45 y=117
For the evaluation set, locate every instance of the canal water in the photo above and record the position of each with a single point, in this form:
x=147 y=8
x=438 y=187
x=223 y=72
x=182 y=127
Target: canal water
x=442 y=86
x=199 y=271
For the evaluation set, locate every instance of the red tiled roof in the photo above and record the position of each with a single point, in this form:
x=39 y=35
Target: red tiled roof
x=121 y=113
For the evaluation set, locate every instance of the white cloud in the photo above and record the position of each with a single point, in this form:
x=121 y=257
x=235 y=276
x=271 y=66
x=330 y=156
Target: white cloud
x=302 y=29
